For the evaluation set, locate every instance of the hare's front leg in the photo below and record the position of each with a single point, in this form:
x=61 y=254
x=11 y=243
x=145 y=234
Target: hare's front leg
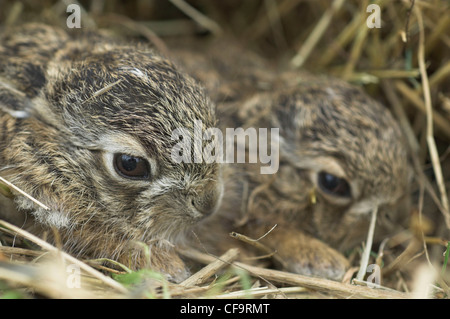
x=305 y=255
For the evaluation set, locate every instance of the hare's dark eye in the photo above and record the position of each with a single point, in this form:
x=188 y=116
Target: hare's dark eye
x=131 y=167
x=333 y=185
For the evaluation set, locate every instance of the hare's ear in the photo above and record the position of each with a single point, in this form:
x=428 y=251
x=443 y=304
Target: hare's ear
x=13 y=101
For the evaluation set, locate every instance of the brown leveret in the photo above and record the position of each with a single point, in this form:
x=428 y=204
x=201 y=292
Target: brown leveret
x=86 y=128
x=341 y=155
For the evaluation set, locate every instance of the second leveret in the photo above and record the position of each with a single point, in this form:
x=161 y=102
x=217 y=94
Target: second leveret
x=342 y=155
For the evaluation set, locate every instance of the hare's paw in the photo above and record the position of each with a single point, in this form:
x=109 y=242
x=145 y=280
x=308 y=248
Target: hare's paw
x=169 y=263
x=324 y=262
x=305 y=255
x=165 y=260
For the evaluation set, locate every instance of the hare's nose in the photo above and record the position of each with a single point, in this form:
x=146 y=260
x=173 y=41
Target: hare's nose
x=207 y=203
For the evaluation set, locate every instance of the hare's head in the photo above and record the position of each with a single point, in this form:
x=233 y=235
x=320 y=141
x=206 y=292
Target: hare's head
x=342 y=155
x=96 y=148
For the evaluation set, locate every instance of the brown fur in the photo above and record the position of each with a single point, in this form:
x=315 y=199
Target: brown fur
x=325 y=125
x=65 y=103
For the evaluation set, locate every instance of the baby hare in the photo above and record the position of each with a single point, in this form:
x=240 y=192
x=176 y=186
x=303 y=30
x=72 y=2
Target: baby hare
x=341 y=155
x=86 y=128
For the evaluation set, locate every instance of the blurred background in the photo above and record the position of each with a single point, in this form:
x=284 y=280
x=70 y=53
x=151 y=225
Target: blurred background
x=326 y=36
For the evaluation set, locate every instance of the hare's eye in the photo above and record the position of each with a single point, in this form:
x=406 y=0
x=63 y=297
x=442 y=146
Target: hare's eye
x=131 y=167
x=333 y=185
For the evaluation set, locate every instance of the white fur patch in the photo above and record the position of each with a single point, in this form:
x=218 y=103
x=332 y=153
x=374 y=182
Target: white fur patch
x=331 y=93
x=58 y=219
x=165 y=184
x=18 y=114
x=139 y=73
x=53 y=218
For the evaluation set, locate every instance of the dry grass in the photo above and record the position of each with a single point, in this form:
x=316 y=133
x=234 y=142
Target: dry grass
x=50 y=272
x=405 y=64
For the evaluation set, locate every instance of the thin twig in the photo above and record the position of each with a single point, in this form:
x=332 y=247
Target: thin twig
x=355 y=52
x=408 y=17
x=102 y=91
x=366 y=254
x=300 y=58
x=140 y=28
x=197 y=16
x=206 y=272
x=4 y=181
x=258 y=239
x=258 y=245
x=260 y=291
x=275 y=21
x=429 y=111
x=20 y=251
x=317 y=284
x=401 y=115
x=107 y=280
x=413 y=247
x=411 y=95
x=340 y=42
